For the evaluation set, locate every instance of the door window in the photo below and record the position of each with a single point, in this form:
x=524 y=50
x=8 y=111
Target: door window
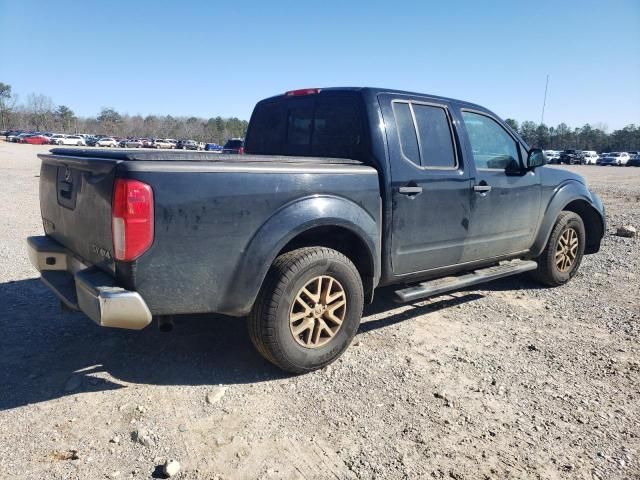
x=425 y=134
x=491 y=145
x=434 y=136
x=406 y=131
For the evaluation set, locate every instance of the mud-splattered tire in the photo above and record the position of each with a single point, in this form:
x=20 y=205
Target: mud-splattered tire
x=563 y=254
x=308 y=310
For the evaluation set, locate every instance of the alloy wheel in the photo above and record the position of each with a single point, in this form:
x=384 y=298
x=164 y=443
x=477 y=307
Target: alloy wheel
x=318 y=311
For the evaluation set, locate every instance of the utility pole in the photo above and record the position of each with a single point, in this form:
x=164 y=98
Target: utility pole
x=544 y=103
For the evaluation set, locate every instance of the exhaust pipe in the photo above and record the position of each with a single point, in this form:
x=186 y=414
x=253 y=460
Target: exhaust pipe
x=165 y=323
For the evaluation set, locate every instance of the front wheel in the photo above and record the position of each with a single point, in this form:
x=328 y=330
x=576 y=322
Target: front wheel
x=308 y=309
x=563 y=254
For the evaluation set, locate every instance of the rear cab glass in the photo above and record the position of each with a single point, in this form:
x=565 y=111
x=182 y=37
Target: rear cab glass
x=425 y=134
x=321 y=125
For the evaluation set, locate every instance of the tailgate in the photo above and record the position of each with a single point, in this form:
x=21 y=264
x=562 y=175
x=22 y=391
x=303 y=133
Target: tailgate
x=75 y=202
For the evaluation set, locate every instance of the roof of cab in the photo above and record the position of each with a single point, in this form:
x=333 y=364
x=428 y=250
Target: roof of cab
x=378 y=90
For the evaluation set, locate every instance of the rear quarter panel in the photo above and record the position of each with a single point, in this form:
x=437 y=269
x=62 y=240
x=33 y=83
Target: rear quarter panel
x=219 y=227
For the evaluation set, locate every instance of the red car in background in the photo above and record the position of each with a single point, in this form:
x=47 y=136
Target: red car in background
x=36 y=140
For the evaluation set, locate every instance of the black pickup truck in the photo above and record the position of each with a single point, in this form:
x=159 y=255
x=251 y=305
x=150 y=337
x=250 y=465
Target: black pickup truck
x=341 y=191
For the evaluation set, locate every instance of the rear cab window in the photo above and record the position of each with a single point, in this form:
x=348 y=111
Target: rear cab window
x=320 y=125
x=425 y=134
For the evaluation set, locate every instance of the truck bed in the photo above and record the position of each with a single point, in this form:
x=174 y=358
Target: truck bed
x=218 y=219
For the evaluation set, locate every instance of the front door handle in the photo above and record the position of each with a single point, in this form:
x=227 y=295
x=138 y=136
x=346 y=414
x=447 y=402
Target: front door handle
x=410 y=190
x=482 y=188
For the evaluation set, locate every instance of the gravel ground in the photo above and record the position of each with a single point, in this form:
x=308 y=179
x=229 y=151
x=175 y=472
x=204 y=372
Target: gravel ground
x=507 y=381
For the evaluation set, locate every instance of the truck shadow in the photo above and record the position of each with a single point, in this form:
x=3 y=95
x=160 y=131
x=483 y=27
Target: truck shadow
x=47 y=354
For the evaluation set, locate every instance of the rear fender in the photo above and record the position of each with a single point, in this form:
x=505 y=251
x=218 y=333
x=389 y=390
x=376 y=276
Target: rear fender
x=283 y=226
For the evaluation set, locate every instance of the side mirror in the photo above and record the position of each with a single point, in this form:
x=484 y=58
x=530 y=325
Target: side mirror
x=535 y=158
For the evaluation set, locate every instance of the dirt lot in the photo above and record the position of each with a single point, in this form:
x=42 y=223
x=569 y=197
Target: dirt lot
x=509 y=380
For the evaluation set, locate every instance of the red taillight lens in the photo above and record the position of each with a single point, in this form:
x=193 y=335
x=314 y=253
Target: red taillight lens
x=241 y=151
x=131 y=219
x=302 y=91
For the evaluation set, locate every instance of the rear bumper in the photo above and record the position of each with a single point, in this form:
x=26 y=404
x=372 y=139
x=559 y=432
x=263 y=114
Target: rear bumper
x=86 y=288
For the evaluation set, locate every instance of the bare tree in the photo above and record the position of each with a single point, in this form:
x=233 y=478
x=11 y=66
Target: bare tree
x=40 y=110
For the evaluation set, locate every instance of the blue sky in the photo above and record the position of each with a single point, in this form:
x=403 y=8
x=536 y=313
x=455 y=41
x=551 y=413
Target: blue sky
x=208 y=58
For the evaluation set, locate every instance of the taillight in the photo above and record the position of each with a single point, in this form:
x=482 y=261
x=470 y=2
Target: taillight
x=241 y=151
x=131 y=219
x=302 y=91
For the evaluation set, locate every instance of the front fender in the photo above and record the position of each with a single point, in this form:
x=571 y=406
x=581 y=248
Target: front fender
x=283 y=226
x=567 y=192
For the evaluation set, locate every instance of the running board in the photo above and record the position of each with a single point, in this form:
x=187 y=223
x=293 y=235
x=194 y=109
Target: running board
x=448 y=284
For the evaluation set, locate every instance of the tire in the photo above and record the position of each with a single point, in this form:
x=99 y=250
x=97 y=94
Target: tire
x=550 y=270
x=271 y=323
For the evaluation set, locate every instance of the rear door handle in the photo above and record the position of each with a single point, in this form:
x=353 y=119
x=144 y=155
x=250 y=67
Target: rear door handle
x=410 y=190
x=482 y=188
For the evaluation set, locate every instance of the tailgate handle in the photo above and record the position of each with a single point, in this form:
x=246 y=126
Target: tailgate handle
x=65 y=190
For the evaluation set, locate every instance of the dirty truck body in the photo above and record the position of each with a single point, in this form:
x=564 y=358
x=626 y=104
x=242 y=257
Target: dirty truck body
x=341 y=191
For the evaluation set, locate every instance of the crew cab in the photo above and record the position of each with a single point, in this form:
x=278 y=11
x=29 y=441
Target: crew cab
x=340 y=191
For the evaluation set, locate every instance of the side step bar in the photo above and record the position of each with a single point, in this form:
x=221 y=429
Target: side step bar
x=448 y=284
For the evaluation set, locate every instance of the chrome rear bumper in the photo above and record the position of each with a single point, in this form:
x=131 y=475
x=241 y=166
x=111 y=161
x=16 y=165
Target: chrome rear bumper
x=86 y=288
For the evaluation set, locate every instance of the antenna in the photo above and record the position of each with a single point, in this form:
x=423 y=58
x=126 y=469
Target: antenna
x=544 y=103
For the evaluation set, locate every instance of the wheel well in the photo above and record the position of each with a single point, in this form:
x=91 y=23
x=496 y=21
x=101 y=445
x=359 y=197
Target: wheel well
x=592 y=224
x=344 y=241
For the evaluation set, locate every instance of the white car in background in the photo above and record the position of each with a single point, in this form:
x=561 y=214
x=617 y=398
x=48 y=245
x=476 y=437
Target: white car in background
x=615 y=158
x=107 y=142
x=68 y=140
x=163 y=143
x=552 y=156
x=590 y=157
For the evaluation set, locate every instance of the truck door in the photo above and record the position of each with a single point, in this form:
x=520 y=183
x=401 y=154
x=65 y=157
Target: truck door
x=429 y=184
x=505 y=205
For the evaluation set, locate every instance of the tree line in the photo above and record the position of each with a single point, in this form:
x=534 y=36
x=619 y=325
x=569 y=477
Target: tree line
x=587 y=137
x=38 y=112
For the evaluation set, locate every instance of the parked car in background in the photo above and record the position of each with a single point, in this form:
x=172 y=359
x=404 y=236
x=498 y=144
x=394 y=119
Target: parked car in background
x=21 y=137
x=552 y=156
x=163 y=143
x=13 y=136
x=213 y=147
x=192 y=145
x=106 y=142
x=133 y=143
x=615 y=158
x=56 y=137
x=234 y=145
x=571 y=157
x=147 y=142
x=37 y=139
x=590 y=157
x=634 y=160
x=68 y=140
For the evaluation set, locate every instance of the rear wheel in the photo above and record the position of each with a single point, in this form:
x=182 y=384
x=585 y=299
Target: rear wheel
x=308 y=309
x=562 y=256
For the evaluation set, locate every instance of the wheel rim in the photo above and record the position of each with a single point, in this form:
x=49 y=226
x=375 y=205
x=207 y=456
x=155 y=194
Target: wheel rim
x=567 y=250
x=318 y=311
